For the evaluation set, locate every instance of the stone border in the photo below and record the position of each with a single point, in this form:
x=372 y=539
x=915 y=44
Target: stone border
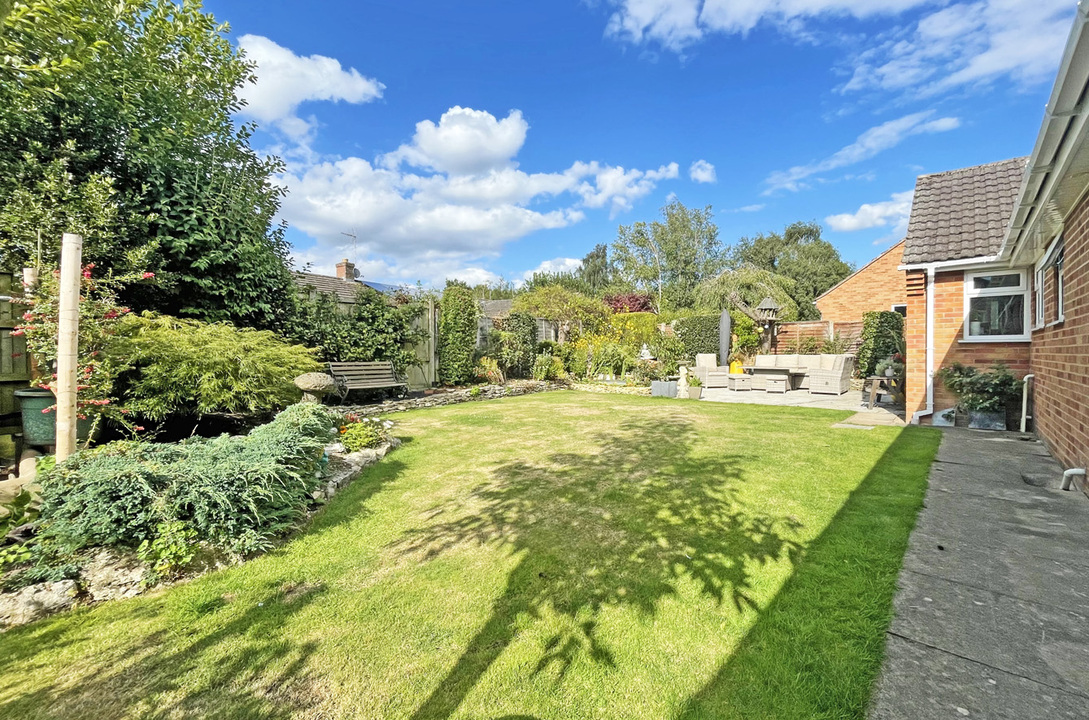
x=611 y=389
x=459 y=395
x=112 y=575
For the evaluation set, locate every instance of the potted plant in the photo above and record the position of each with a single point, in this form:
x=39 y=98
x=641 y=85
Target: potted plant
x=984 y=394
x=695 y=388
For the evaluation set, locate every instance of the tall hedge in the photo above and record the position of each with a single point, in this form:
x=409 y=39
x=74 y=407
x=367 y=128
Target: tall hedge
x=698 y=334
x=457 y=333
x=882 y=331
x=518 y=345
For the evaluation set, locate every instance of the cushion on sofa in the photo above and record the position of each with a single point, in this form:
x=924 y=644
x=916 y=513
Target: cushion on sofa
x=707 y=360
x=809 y=362
x=765 y=361
x=786 y=361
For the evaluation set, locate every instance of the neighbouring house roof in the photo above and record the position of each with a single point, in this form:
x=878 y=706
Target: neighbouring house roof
x=962 y=213
x=345 y=291
x=495 y=308
x=859 y=271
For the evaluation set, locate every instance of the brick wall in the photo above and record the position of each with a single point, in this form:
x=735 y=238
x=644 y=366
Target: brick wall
x=915 y=338
x=877 y=286
x=1060 y=353
x=949 y=346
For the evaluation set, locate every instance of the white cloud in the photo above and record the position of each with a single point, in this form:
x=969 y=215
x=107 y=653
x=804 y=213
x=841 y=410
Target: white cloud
x=286 y=80
x=867 y=145
x=893 y=212
x=702 y=171
x=616 y=187
x=677 y=24
x=748 y=208
x=967 y=43
x=951 y=44
x=428 y=210
x=556 y=265
x=464 y=142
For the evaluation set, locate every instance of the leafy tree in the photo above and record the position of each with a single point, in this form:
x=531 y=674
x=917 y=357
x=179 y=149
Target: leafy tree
x=116 y=121
x=800 y=254
x=372 y=329
x=596 y=270
x=574 y=312
x=457 y=333
x=744 y=288
x=670 y=257
x=568 y=280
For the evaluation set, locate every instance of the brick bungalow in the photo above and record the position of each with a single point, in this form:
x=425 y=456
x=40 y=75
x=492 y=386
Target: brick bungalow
x=996 y=261
x=878 y=285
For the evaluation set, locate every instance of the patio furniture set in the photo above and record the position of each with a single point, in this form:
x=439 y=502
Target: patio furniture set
x=825 y=374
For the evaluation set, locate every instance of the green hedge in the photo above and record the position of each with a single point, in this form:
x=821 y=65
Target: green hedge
x=236 y=493
x=518 y=345
x=698 y=334
x=882 y=336
x=457 y=334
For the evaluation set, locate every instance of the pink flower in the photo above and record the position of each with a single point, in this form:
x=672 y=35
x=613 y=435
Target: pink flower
x=148 y=275
x=47 y=410
x=139 y=428
x=87 y=274
x=18 y=331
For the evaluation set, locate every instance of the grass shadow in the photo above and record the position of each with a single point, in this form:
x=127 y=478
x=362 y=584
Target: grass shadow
x=624 y=525
x=816 y=649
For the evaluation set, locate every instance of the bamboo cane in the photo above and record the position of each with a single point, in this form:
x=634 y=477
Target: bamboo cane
x=68 y=343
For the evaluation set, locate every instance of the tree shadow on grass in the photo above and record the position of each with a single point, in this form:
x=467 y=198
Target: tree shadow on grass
x=815 y=651
x=622 y=525
x=186 y=681
x=182 y=671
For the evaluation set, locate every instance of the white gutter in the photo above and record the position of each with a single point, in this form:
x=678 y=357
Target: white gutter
x=917 y=417
x=945 y=264
x=1060 y=136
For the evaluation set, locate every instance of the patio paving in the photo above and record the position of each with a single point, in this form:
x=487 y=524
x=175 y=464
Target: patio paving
x=992 y=613
x=882 y=414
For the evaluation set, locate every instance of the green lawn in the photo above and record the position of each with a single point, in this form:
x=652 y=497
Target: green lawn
x=563 y=555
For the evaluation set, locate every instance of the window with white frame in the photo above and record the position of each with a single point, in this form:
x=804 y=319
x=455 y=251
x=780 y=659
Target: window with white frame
x=996 y=306
x=901 y=308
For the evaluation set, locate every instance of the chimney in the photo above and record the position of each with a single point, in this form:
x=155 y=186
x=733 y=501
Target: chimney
x=345 y=270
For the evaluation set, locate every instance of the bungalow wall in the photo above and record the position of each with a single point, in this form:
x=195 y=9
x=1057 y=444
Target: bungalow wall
x=949 y=343
x=877 y=286
x=1060 y=350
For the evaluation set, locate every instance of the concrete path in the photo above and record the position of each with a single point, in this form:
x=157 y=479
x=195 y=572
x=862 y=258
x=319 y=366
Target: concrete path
x=992 y=615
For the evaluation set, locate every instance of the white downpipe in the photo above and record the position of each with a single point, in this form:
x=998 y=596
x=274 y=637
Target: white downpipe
x=917 y=417
x=1068 y=477
x=1024 y=400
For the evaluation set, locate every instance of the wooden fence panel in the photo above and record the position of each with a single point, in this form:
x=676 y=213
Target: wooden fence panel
x=14 y=362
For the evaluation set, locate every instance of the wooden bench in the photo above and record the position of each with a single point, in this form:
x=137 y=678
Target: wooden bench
x=366 y=376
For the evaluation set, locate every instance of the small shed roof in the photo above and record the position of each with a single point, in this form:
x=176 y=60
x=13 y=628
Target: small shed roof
x=962 y=213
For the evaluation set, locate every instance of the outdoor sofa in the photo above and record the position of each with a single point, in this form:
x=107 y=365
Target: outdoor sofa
x=825 y=374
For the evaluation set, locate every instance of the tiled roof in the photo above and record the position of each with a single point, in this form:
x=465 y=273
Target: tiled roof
x=496 y=308
x=962 y=213
x=345 y=291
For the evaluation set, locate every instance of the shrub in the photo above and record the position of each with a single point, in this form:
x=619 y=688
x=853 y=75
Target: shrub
x=602 y=354
x=836 y=345
x=457 y=333
x=630 y=302
x=365 y=433
x=172 y=549
x=882 y=336
x=746 y=341
x=487 y=370
x=517 y=343
x=189 y=367
x=981 y=390
x=236 y=493
x=669 y=350
x=372 y=329
x=548 y=367
x=636 y=328
x=698 y=334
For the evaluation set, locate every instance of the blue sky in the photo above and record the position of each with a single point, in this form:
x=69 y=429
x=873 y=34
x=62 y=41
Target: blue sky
x=488 y=138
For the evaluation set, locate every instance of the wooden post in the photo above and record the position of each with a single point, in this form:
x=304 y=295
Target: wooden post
x=71 y=267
